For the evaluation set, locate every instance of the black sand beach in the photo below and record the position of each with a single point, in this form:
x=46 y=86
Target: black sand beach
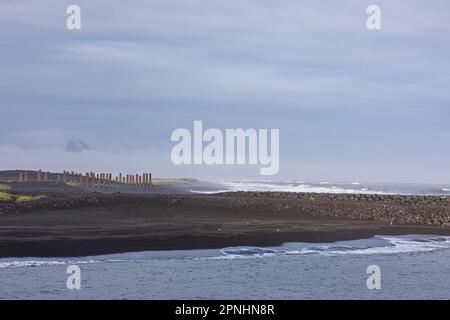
x=79 y=224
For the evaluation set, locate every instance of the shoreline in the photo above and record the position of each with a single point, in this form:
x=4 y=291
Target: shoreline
x=74 y=224
x=97 y=247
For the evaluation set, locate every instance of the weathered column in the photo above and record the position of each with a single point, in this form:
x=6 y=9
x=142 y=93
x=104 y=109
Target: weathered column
x=92 y=180
x=46 y=176
x=149 y=179
x=120 y=177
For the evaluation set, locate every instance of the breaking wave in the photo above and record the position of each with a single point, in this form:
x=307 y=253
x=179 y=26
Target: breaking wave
x=41 y=263
x=322 y=187
x=375 y=245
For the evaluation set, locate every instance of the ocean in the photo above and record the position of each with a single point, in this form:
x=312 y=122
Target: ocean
x=410 y=267
x=206 y=187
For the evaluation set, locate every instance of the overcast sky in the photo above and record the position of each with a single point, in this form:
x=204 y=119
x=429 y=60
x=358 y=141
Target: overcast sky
x=351 y=104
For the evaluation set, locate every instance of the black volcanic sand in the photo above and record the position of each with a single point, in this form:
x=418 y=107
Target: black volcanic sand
x=80 y=224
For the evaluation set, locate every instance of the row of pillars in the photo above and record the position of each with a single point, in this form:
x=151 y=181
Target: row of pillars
x=92 y=179
x=105 y=180
x=40 y=176
x=144 y=180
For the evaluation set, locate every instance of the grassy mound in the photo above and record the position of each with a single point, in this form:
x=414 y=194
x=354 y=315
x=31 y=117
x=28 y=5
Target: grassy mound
x=29 y=198
x=4 y=187
x=6 y=197
x=174 y=181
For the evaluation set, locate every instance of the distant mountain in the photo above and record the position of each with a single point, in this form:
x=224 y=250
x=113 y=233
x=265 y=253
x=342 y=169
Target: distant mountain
x=77 y=146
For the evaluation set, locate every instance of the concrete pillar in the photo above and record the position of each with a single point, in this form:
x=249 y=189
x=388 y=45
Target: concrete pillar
x=109 y=180
x=149 y=180
x=39 y=175
x=120 y=177
x=46 y=176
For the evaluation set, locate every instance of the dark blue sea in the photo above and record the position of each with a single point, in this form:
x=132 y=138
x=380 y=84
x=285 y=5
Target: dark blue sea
x=410 y=267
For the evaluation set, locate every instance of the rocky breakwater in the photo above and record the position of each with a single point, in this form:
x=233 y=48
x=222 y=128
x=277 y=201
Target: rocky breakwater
x=394 y=209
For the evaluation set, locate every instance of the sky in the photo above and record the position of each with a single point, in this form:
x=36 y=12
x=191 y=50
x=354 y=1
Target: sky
x=351 y=104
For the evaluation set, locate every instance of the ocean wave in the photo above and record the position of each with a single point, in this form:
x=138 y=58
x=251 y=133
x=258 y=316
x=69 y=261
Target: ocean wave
x=290 y=187
x=375 y=245
x=41 y=263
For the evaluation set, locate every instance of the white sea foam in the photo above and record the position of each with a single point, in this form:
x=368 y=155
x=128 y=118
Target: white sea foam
x=290 y=187
x=40 y=263
x=375 y=245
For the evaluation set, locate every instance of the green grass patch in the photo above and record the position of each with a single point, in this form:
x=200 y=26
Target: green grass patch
x=167 y=182
x=5 y=196
x=29 y=198
x=4 y=187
